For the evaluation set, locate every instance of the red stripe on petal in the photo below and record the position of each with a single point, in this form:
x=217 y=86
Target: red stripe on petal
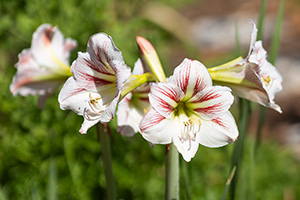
x=219 y=122
x=185 y=77
x=151 y=118
x=73 y=92
x=101 y=69
x=210 y=109
x=163 y=104
x=199 y=86
x=170 y=93
x=207 y=97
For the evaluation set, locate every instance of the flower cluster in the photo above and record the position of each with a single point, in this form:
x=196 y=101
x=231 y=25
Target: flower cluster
x=185 y=109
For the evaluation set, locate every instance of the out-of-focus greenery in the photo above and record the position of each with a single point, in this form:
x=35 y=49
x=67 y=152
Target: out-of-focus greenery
x=42 y=155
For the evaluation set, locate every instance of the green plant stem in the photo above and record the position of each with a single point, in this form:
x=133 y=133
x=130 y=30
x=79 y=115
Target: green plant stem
x=172 y=173
x=262 y=115
x=107 y=163
x=185 y=177
x=239 y=145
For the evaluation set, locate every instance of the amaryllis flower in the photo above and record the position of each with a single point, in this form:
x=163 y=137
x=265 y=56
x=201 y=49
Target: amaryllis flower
x=95 y=88
x=188 y=110
x=43 y=67
x=253 y=78
x=133 y=106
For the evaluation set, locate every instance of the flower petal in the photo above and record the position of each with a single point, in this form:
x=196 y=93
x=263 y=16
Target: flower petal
x=73 y=97
x=164 y=97
x=192 y=77
x=211 y=102
x=153 y=128
x=105 y=55
x=253 y=36
x=30 y=79
x=218 y=132
x=48 y=47
x=188 y=149
x=69 y=45
x=110 y=111
x=90 y=119
x=258 y=54
x=274 y=85
x=129 y=117
x=139 y=68
x=92 y=80
x=102 y=68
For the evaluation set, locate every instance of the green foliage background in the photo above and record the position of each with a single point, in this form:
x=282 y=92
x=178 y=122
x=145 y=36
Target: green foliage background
x=42 y=155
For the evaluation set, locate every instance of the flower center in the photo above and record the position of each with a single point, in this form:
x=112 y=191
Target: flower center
x=190 y=124
x=94 y=103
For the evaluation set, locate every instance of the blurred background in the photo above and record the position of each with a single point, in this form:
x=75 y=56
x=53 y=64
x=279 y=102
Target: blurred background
x=42 y=154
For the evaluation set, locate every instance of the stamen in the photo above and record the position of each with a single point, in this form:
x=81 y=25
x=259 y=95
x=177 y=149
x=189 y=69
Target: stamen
x=94 y=100
x=94 y=104
x=266 y=80
x=146 y=109
x=189 y=131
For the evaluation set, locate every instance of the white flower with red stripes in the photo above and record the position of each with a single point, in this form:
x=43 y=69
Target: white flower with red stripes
x=253 y=77
x=188 y=110
x=95 y=88
x=45 y=66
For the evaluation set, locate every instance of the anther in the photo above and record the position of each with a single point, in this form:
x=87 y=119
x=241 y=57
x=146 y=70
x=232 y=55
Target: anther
x=267 y=80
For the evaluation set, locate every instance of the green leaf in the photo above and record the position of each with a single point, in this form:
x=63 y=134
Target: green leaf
x=261 y=19
x=276 y=36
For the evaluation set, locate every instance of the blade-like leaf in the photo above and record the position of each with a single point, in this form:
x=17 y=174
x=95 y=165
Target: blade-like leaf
x=276 y=36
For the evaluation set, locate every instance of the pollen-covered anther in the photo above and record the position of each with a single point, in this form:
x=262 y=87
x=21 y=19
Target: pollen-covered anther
x=94 y=100
x=146 y=109
x=266 y=80
x=94 y=103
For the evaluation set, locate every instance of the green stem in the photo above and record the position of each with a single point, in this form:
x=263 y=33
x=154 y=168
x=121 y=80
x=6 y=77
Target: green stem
x=107 y=163
x=262 y=115
x=172 y=173
x=239 y=145
x=185 y=176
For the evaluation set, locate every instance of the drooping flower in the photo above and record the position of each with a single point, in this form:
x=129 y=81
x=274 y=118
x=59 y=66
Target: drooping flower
x=42 y=68
x=95 y=88
x=253 y=78
x=133 y=106
x=188 y=110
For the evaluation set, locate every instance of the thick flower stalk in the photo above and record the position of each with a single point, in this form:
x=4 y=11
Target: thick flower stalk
x=98 y=76
x=253 y=78
x=45 y=66
x=133 y=106
x=188 y=110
